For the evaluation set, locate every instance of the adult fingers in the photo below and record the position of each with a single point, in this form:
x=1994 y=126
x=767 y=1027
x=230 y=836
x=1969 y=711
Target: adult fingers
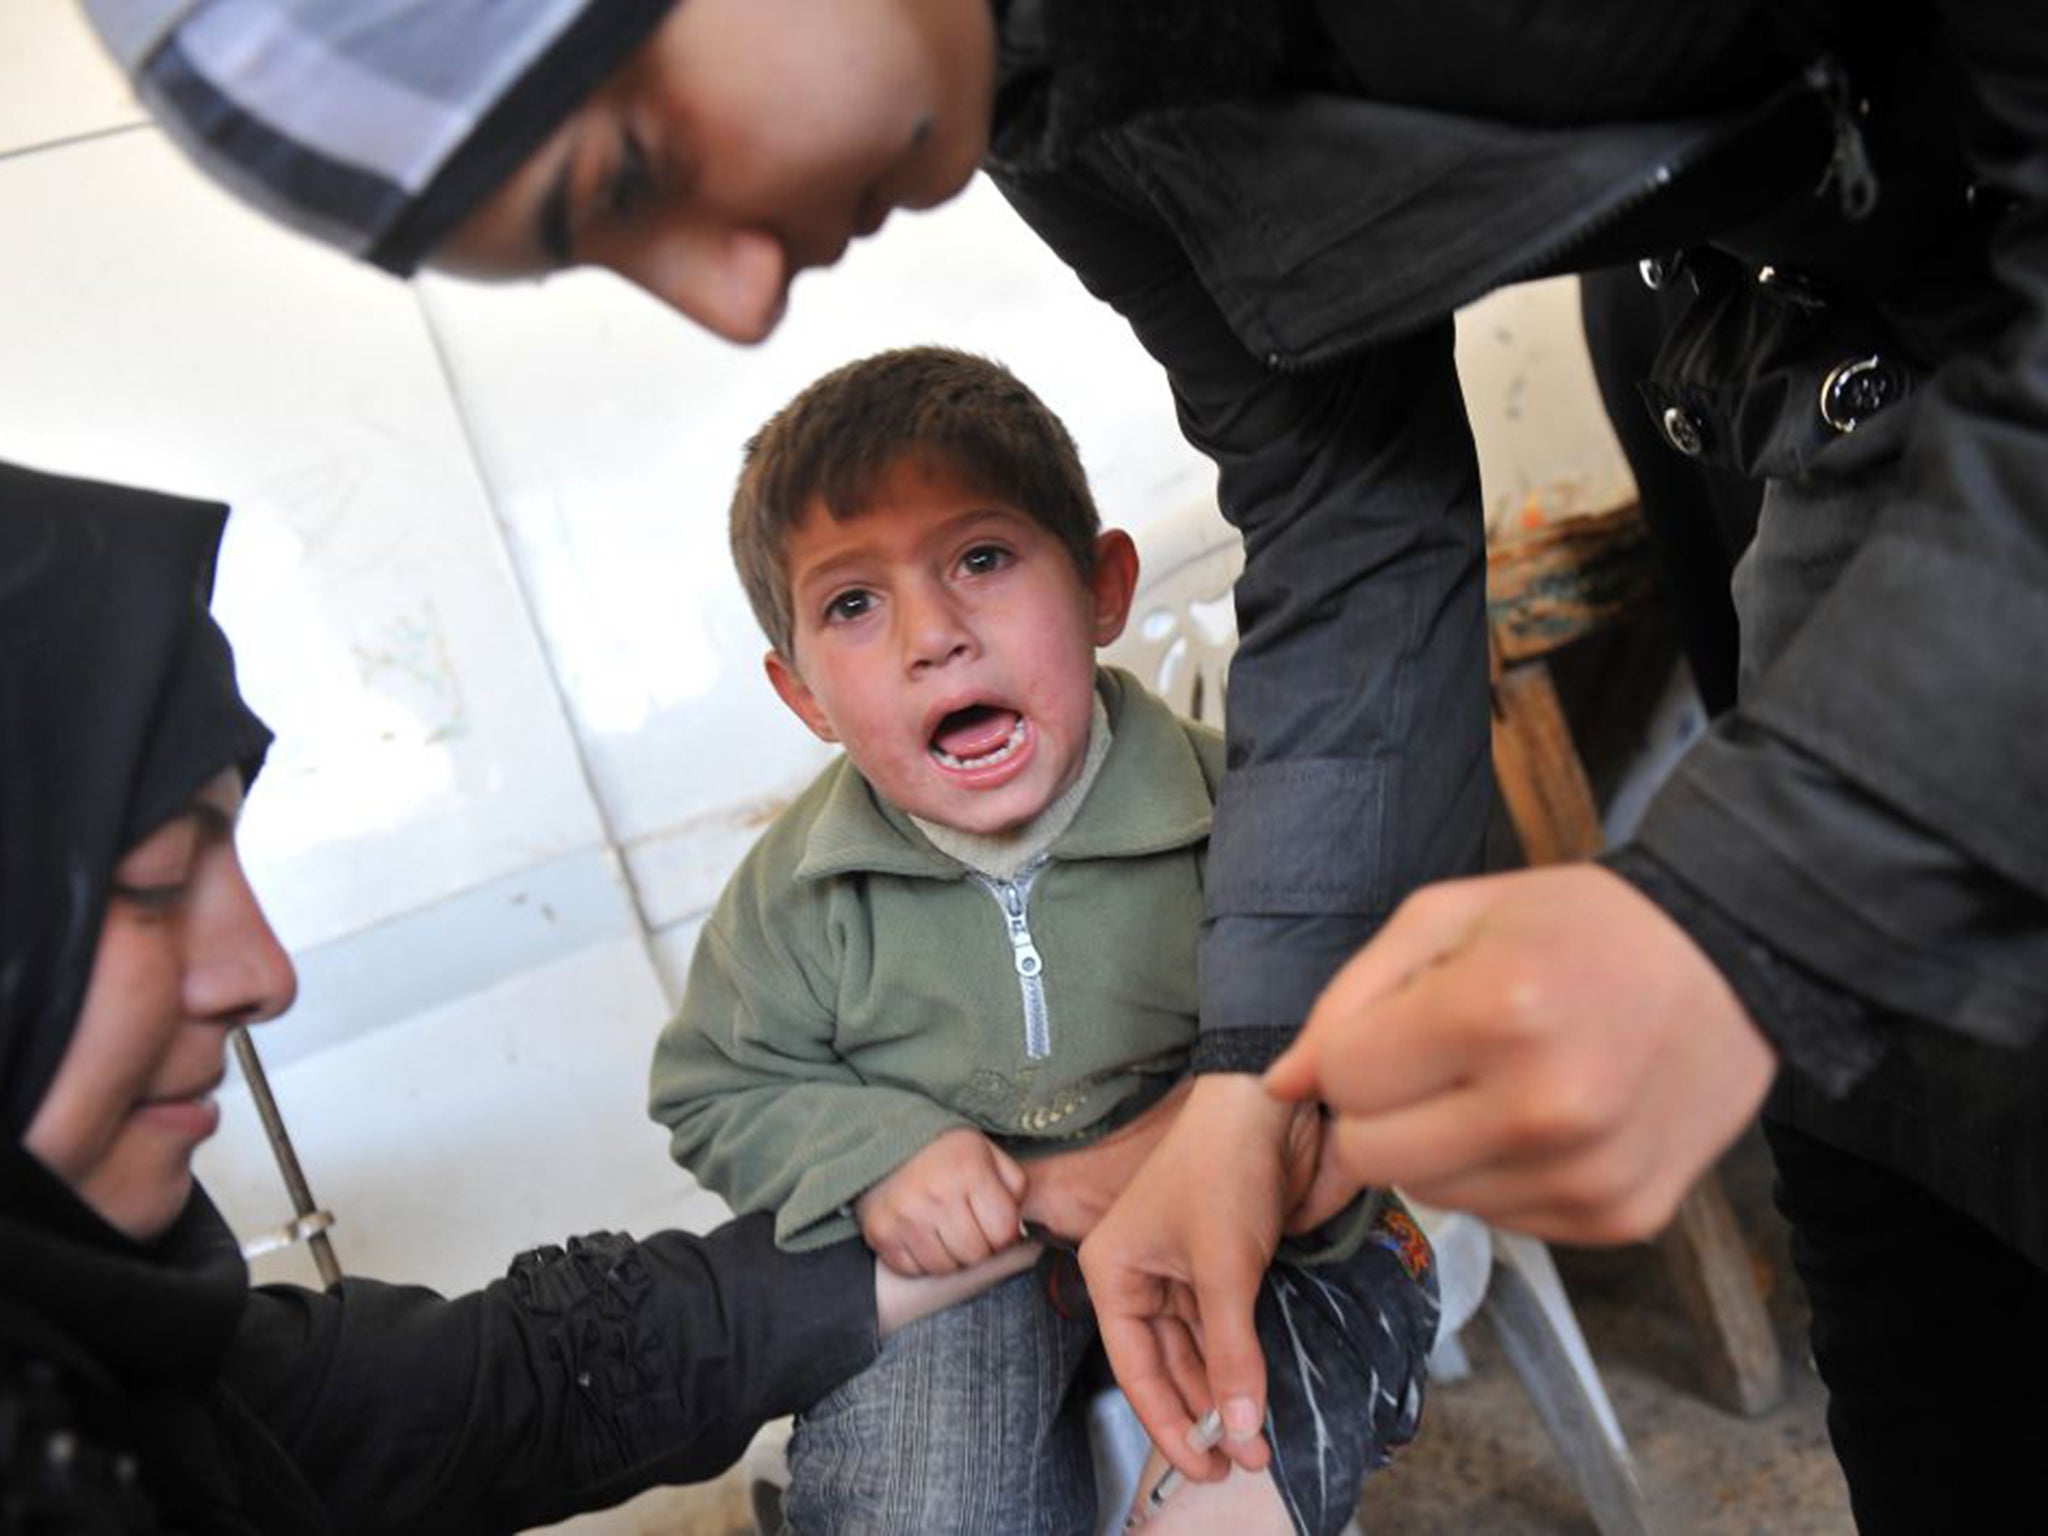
x=1225 y=1293
x=1150 y=1358
x=1344 y=1026
x=1333 y=1187
x=1181 y=1353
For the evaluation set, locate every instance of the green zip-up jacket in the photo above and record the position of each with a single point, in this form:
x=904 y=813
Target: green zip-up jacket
x=856 y=992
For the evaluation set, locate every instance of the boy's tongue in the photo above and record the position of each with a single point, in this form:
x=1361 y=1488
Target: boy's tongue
x=974 y=731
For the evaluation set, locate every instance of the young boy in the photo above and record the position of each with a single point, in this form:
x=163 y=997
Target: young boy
x=972 y=937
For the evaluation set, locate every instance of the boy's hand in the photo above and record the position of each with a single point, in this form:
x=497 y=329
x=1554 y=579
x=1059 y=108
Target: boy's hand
x=1071 y=1189
x=951 y=1206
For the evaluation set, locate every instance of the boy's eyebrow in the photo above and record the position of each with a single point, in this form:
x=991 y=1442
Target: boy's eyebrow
x=551 y=229
x=964 y=523
x=827 y=569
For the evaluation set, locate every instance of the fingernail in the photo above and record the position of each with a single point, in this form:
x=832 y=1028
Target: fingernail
x=1241 y=1418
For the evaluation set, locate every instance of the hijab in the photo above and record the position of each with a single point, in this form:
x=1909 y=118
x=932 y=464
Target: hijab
x=374 y=125
x=117 y=704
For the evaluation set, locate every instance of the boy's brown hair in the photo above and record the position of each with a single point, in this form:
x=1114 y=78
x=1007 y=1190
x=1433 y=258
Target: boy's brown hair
x=835 y=441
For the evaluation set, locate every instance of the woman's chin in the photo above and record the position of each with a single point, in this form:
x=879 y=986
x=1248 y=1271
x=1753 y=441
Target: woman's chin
x=143 y=1203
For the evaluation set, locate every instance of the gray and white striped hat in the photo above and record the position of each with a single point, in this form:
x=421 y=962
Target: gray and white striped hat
x=374 y=125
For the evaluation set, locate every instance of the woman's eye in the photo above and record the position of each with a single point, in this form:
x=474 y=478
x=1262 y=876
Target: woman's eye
x=632 y=181
x=848 y=606
x=149 y=898
x=984 y=558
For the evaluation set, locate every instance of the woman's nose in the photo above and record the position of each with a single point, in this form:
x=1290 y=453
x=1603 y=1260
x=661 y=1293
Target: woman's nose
x=733 y=282
x=238 y=972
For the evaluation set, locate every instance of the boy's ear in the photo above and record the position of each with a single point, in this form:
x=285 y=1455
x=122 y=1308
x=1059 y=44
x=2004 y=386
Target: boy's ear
x=793 y=691
x=1114 y=583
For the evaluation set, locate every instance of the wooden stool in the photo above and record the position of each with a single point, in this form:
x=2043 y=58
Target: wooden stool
x=1544 y=590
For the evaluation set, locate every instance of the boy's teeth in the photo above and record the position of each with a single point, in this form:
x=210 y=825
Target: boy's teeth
x=1004 y=750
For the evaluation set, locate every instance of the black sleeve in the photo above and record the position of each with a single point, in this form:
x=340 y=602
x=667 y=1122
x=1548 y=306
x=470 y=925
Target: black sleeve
x=1875 y=807
x=587 y=1374
x=1819 y=1030
x=1358 y=747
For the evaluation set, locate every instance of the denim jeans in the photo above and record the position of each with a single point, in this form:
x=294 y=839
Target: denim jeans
x=968 y=1423
x=974 y=1421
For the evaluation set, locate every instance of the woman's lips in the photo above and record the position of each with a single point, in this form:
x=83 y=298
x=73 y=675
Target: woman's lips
x=194 y=1118
x=871 y=213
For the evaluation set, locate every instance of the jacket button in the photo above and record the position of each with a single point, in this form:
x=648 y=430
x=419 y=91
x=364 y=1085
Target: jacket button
x=1855 y=391
x=1660 y=272
x=1682 y=430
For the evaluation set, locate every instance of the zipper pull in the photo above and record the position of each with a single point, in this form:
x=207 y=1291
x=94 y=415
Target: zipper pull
x=1849 y=170
x=1024 y=952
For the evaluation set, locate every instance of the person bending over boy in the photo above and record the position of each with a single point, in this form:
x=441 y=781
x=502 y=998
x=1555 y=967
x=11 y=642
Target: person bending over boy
x=973 y=938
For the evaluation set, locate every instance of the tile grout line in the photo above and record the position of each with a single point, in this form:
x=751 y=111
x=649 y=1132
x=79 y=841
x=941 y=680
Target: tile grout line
x=90 y=136
x=614 y=848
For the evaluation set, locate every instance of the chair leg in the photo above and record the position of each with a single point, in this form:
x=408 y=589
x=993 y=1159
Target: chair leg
x=1527 y=1307
x=1711 y=1268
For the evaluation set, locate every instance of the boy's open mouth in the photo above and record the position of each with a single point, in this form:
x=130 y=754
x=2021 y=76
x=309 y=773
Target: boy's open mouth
x=978 y=736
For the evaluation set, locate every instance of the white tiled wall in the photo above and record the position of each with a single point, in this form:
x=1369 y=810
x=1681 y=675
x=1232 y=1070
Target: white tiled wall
x=477 y=579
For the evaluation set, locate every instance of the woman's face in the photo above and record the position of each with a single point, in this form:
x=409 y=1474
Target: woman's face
x=185 y=953
x=744 y=142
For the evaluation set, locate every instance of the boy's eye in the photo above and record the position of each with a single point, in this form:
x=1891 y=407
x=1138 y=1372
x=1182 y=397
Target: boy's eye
x=848 y=606
x=984 y=558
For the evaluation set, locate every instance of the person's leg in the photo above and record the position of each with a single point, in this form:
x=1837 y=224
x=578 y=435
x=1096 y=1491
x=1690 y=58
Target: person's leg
x=964 y=1424
x=1931 y=1335
x=1346 y=1317
x=1242 y=1503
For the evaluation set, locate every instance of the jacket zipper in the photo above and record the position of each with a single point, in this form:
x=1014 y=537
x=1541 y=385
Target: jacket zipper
x=1849 y=173
x=1014 y=897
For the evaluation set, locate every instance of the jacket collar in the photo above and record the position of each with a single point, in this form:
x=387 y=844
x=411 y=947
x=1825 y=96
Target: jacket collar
x=1150 y=796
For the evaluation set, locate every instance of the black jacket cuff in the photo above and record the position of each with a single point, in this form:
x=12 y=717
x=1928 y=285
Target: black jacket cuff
x=1827 y=1035
x=1239 y=1050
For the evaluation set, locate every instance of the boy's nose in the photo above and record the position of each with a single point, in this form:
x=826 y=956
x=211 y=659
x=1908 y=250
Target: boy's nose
x=934 y=631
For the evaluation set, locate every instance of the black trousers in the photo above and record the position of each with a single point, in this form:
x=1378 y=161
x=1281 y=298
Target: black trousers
x=1931 y=1334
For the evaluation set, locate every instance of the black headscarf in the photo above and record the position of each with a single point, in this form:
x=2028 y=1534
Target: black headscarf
x=117 y=703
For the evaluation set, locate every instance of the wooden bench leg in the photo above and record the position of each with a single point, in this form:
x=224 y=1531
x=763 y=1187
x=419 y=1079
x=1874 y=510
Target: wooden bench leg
x=1551 y=805
x=1710 y=1265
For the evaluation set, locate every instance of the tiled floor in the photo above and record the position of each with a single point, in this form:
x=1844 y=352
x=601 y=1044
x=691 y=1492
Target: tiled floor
x=1483 y=1467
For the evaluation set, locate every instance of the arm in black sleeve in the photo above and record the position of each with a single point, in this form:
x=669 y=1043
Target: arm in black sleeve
x=1358 y=748
x=587 y=1374
x=1875 y=806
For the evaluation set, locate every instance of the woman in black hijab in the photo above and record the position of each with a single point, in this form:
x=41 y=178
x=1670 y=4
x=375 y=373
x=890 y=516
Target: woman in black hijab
x=144 y=1385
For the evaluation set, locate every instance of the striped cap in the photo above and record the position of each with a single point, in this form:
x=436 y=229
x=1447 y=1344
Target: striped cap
x=374 y=125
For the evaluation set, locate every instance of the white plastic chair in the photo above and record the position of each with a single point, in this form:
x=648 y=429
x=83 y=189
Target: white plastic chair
x=1179 y=640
